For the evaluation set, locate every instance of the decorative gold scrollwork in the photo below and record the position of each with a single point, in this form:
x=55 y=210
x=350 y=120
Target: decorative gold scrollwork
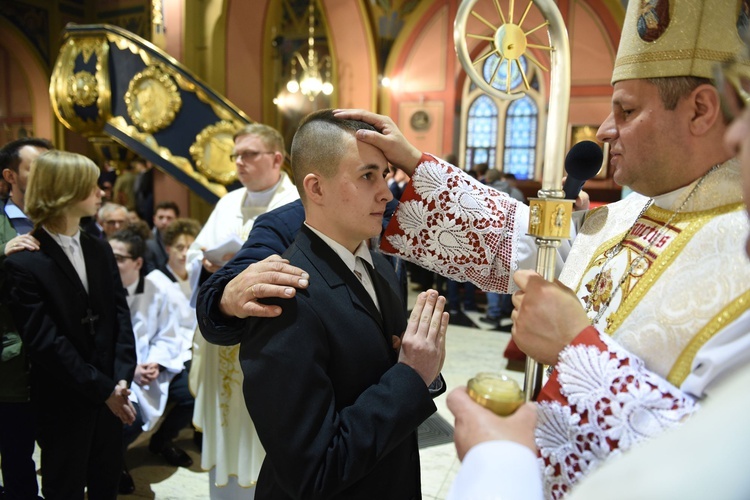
x=82 y=89
x=119 y=123
x=152 y=99
x=211 y=150
x=70 y=88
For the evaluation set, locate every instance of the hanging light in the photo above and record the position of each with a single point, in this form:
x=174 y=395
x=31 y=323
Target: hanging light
x=316 y=72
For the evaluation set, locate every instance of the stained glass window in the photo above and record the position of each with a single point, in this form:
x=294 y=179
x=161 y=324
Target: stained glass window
x=504 y=133
x=501 y=77
x=481 y=132
x=520 y=138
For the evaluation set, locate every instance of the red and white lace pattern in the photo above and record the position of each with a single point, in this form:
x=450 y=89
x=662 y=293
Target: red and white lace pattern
x=450 y=223
x=600 y=402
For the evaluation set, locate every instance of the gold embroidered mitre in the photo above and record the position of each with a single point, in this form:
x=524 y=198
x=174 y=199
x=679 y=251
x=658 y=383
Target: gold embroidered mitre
x=662 y=38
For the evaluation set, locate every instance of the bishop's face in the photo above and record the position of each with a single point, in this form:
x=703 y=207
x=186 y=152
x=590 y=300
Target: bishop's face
x=645 y=139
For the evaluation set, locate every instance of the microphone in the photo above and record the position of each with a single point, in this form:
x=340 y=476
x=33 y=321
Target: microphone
x=582 y=162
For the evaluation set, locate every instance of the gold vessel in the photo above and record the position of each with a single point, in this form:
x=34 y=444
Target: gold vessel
x=498 y=393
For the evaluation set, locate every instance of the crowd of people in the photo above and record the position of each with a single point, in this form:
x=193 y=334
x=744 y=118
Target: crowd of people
x=281 y=333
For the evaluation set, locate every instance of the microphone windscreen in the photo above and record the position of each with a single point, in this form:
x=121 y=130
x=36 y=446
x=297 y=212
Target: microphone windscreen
x=584 y=160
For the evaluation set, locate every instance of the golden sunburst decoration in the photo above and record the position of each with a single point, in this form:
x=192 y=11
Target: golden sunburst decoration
x=509 y=42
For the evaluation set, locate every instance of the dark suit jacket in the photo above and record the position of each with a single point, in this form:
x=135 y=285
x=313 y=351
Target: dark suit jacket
x=49 y=303
x=334 y=410
x=272 y=233
x=156 y=253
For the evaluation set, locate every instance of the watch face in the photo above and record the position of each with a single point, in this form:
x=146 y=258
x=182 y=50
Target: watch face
x=420 y=120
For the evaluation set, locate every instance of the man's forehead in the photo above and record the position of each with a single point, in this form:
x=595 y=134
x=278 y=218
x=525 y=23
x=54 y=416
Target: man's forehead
x=117 y=212
x=632 y=89
x=248 y=138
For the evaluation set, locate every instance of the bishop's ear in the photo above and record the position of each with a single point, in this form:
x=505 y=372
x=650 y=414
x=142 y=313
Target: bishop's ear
x=705 y=108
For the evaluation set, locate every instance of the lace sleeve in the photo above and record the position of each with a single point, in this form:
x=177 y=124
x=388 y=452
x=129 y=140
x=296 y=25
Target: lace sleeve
x=450 y=223
x=599 y=402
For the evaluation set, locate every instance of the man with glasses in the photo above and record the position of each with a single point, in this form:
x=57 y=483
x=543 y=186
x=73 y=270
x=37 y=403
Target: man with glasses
x=231 y=449
x=112 y=218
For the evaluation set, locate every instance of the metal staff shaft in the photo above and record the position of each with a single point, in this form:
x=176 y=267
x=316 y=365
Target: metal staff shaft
x=550 y=214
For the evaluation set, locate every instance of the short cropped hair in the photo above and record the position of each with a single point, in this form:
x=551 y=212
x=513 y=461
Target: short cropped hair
x=58 y=180
x=168 y=205
x=269 y=136
x=178 y=227
x=132 y=238
x=317 y=145
x=108 y=208
x=9 y=154
x=673 y=88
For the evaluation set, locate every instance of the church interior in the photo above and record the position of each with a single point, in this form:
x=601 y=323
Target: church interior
x=395 y=57
x=170 y=80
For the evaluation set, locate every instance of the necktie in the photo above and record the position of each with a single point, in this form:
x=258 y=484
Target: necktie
x=360 y=271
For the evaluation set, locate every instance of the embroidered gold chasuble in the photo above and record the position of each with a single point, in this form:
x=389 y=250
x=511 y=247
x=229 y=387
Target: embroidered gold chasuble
x=611 y=386
x=692 y=281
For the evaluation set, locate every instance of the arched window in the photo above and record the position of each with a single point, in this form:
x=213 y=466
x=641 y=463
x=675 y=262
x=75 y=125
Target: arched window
x=481 y=132
x=520 y=138
x=504 y=134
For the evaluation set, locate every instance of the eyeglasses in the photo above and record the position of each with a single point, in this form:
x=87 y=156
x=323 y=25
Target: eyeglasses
x=249 y=155
x=123 y=258
x=115 y=222
x=732 y=79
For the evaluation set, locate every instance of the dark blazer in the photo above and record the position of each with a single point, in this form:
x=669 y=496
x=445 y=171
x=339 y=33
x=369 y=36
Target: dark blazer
x=272 y=233
x=335 y=411
x=156 y=253
x=50 y=305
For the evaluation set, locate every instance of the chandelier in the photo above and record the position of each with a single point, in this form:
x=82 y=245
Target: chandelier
x=316 y=72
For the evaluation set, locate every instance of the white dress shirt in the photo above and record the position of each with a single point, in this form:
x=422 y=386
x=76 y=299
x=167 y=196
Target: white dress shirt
x=71 y=245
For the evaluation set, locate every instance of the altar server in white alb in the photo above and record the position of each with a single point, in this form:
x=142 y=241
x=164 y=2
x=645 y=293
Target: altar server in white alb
x=231 y=449
x=173 y=277
x=660 y=277
x=157 y=346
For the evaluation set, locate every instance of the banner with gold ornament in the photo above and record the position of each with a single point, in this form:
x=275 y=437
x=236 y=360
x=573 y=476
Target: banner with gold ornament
x=127 y=97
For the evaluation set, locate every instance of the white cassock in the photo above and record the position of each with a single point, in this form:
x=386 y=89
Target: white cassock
x=230 y=443
x=157 y=340
x=689 y=293
x=185 y=314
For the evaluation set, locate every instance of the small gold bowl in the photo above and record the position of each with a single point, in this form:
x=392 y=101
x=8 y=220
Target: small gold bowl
x=498 y=393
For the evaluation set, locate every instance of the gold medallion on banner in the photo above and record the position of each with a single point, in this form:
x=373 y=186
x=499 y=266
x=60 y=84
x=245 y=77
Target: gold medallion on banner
x=82 y=89
x=211 y=151
x=152 y=99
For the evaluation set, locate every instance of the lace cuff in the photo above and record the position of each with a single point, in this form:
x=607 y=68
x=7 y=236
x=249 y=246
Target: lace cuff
x=599 y=402
x=450 y=223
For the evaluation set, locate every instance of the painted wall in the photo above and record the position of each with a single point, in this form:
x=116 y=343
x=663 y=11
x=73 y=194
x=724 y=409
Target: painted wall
x=33 y=77
x=422 y=61
x=428 y=75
